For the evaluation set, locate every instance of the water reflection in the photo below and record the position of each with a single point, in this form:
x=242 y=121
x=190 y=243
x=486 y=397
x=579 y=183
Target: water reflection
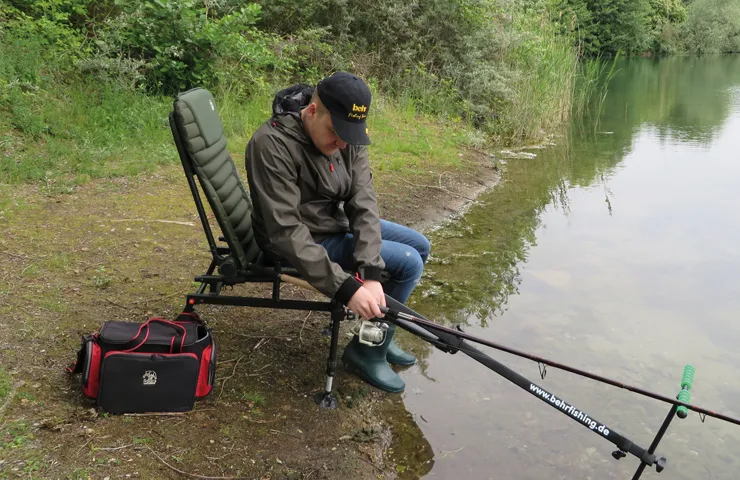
x=684 y=101
x=615 y=252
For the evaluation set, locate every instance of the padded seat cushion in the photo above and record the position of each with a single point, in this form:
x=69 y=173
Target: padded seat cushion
x=202 y=132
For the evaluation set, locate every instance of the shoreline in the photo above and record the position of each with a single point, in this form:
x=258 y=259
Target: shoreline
x=87 y=257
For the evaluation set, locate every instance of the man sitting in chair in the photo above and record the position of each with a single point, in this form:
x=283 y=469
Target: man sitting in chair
x=315 y=208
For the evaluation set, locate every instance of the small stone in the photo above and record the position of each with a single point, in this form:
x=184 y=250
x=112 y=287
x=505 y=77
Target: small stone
x=106 y=478
x=279 y=461
x=212 y=441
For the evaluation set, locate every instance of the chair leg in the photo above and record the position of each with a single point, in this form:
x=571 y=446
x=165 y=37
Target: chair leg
x=325 y=399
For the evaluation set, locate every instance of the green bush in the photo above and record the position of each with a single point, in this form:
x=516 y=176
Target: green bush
x=182 y=42
x=606 y=27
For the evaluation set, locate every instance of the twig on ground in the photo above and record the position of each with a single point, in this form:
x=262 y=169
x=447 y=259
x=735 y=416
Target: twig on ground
x=260 y=343
x=85 y=445
x=369 y=463
x=440 y=179
x=116 y=304
x=188 y=224
x=437 y=188
x=192 y=475
x=246 y=335
x=214 y=459
x=112 y=449
x=285 y=433
x=300 y=334
x=226 y=361
x=261 y=368
x=16 y=255
x=263 y=421
x=223 y=382
x=160 y=297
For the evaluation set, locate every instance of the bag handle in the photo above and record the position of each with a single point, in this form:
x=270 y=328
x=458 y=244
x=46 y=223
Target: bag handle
x=162 y=321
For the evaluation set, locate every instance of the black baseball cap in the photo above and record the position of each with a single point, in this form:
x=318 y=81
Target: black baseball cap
x=347 y=98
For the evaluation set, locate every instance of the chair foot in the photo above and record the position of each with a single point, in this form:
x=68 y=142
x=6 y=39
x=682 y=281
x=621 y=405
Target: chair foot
x=326 y=400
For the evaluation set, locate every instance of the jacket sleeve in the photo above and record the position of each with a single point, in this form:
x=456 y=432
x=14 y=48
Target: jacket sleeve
x=274 y=183
x=362 y=210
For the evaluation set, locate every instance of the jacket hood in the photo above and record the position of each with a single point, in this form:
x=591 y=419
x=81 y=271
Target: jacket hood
x=286 y=109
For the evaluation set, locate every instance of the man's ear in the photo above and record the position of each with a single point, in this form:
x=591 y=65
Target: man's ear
x=312 y=108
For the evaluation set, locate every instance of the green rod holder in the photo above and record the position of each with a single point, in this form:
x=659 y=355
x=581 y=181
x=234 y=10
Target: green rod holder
x=684 y=395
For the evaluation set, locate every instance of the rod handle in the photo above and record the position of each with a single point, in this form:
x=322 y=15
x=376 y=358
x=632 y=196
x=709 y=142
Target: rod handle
x=684 y=395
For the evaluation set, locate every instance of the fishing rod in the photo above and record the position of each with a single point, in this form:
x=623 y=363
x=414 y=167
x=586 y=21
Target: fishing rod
x=452 y=341
x=681 y=403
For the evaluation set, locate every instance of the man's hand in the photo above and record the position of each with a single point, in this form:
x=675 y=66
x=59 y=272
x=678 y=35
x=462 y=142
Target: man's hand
x=376 y=288
x=365 y=301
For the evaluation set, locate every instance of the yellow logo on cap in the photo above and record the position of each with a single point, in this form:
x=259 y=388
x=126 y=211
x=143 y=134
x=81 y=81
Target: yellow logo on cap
x=358 y=112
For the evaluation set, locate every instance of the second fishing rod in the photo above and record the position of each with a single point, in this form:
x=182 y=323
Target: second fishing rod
x=682 y=402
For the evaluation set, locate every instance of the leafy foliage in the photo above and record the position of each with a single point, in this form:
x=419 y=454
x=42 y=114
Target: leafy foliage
x=607 y=26
x=713 y=26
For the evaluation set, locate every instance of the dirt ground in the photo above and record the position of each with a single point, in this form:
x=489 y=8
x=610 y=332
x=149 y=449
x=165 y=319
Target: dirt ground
x=128 y=249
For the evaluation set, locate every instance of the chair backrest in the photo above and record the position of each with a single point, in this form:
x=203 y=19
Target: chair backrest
x=202 y=143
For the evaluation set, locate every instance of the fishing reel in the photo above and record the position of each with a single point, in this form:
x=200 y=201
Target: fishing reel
x=370 y=333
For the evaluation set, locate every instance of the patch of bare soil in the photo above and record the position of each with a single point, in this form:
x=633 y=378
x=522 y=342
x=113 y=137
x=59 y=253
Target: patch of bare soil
x=128 y=249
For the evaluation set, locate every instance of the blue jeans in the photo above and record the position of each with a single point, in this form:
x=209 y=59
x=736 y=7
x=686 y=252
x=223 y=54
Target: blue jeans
x=404 y=252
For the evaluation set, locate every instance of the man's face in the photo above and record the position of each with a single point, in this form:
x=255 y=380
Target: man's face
x=322 y=132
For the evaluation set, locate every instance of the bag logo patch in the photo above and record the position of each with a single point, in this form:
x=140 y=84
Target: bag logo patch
x=150 y=377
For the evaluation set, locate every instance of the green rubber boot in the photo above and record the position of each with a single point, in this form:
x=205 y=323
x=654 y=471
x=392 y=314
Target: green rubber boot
x=397 y=356
x=370 y=364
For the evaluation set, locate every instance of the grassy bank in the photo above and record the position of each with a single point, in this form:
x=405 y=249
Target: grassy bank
x=85 y=87
x=70 y=134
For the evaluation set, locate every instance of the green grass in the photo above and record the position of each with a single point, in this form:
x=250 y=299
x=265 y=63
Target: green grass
x=257 y=398
x=5 y=384
x=404 y=139
x=73 y=133
x=542 y=91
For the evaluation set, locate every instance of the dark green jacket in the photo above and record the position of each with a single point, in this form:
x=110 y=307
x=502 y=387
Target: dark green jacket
x=301 y=196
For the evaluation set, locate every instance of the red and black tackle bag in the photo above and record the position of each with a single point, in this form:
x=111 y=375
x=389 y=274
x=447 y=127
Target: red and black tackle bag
x=156 y=366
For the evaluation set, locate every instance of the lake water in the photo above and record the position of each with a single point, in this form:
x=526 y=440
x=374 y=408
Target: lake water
x=616 y=251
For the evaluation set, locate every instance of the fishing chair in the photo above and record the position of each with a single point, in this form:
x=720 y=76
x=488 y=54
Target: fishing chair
x=201 y=144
